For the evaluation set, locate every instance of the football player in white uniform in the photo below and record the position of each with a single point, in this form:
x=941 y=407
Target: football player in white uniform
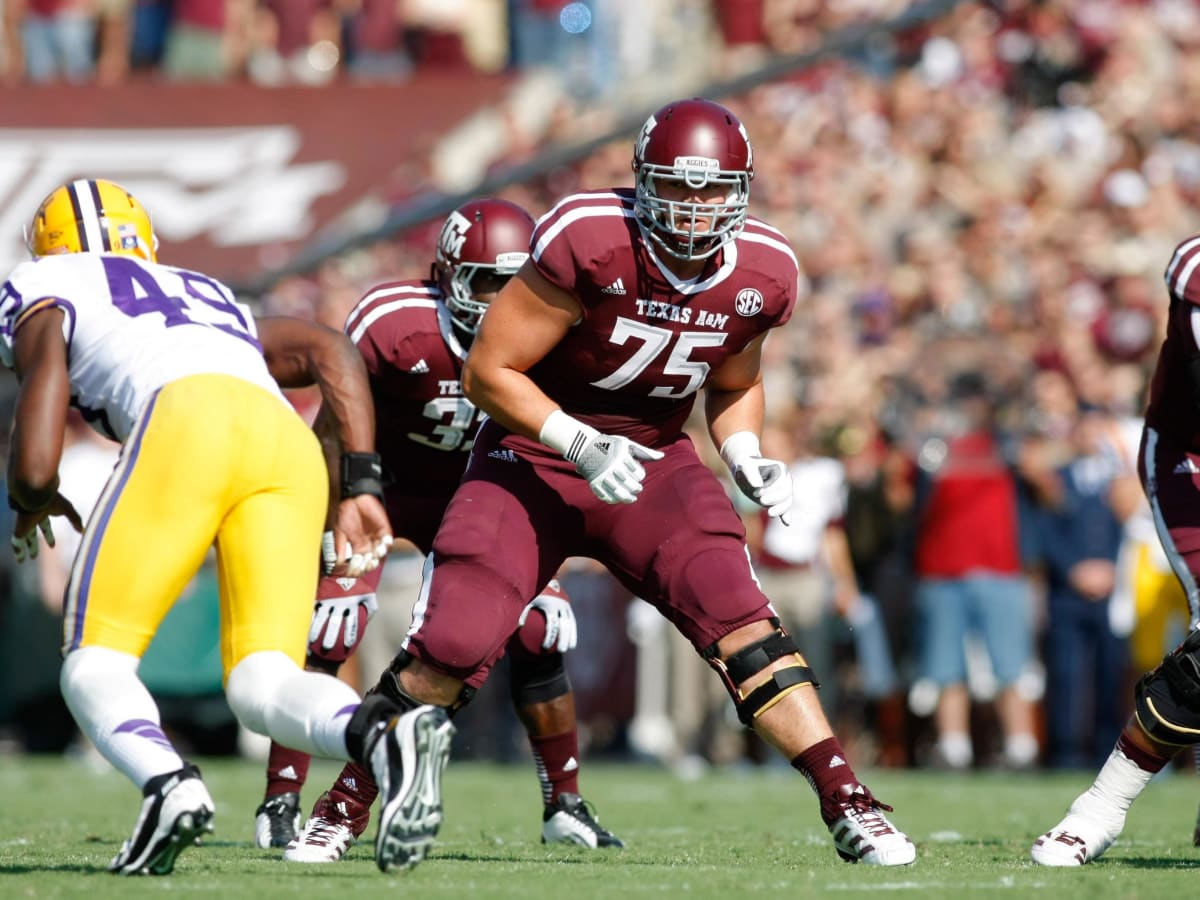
x=167 y=362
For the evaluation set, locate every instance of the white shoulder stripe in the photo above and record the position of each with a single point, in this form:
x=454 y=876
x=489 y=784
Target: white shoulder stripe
x=1180 y=284
x=380 y=293
x=759 y=223
x=605 y=196
x=779 y=245
x=383 y=309
x=584 y=212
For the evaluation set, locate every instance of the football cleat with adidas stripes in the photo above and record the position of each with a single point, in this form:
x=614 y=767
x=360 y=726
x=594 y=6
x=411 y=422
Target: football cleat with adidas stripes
x=177 y=809
x=332 y=829
x=572 y=820
x=861 y=832
x=277 y=820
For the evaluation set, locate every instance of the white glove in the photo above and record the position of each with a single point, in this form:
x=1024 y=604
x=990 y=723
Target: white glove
x=765 y=481
x=337 y=614
x=609 y=463
x=357 y=564
x=560 y=621
x=26 y=546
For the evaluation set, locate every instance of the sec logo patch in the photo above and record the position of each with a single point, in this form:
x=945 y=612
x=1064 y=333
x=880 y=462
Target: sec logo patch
x=748 y=302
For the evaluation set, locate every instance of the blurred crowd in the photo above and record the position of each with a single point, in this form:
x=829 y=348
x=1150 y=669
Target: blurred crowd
x=983 y=208
x=275 y=42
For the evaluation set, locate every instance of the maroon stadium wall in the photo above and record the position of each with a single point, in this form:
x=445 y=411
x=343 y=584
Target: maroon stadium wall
x=237 y=178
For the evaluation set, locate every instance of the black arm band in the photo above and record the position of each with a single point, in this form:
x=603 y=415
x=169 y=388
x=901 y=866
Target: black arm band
x=13 y=504
x=362 y=473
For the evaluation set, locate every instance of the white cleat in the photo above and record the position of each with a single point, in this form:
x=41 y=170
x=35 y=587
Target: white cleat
x=321 y=840
x=176 y=811
x=407 y=761
x=1076 y=840
x=862 y=833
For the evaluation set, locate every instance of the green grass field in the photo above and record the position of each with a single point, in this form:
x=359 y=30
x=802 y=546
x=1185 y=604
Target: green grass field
x=732 y=834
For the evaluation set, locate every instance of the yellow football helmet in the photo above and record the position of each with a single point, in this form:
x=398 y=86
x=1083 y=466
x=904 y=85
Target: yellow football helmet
x=92 y=216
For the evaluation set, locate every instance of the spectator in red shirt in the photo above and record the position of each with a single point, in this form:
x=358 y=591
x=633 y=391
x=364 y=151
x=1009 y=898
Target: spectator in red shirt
x=969 y=578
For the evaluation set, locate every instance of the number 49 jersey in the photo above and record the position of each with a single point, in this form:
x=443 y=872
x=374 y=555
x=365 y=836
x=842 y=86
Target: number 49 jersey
x=132 y=327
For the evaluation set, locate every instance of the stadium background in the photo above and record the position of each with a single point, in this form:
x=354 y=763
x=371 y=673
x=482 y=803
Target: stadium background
x=980 y=189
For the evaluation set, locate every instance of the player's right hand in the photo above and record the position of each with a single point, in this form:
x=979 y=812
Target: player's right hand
x=28 y=524
x=612 y=466
x=359 y=539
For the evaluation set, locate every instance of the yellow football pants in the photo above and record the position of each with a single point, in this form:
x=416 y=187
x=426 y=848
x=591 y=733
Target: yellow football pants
x=212 y=459
x=1159 y=603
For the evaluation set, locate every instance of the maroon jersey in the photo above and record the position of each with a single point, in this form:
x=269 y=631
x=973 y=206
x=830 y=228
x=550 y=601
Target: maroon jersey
x=632 y=366
x=647 y=341
x=424 y=426
x=1174 y=409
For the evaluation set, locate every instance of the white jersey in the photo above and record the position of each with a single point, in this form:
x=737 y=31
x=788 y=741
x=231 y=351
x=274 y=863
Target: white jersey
x=819 y=485
x=132 y=327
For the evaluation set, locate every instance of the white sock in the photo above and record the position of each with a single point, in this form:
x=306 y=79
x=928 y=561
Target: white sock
x=114 y=709
x=1020 y=749
x=956 y=749
x=1119 y=783
x=307 y=711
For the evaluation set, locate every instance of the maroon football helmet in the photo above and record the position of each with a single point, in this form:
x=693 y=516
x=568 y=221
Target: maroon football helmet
x=700 y=144
x=481 y=246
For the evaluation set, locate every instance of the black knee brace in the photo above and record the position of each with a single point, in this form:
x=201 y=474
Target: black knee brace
x=538 y=679
x=752 y=659
x=1167 y=700
x=389 y=686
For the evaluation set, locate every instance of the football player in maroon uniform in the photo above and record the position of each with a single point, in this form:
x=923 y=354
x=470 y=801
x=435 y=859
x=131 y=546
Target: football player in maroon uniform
x=1166 y=716
x=587 y=365
x=414 y=337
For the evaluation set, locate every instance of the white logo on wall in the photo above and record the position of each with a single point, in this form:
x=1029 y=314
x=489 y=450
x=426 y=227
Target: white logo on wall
x=234 y=186
x=748 y=302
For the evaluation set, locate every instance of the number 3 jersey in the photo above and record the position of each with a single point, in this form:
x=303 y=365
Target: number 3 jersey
x=648 y=340
x=132 y=327
x=424 y=426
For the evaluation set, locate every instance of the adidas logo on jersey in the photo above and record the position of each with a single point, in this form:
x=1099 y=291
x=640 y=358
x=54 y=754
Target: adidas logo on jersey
x=504 y=455
x=617 y=287
x=288 y=772
x=420 y=368
x=1187 y=467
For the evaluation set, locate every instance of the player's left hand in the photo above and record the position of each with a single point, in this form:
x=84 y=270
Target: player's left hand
x=359 y=539
x=28 y=524
x=767 y=482
x=561 y=630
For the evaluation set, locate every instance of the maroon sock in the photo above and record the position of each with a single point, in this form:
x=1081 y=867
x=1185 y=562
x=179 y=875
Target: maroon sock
x=287 y=770
x=557 y=759
x=350 y=798
x=1143 y=759
x=824 y=765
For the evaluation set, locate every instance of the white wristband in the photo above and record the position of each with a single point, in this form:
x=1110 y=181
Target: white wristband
x=738 y=446
x=565 y=434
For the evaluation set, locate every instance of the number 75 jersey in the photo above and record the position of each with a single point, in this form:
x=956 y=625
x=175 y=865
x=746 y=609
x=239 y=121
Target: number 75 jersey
x=647 y=340
x=130 y=328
